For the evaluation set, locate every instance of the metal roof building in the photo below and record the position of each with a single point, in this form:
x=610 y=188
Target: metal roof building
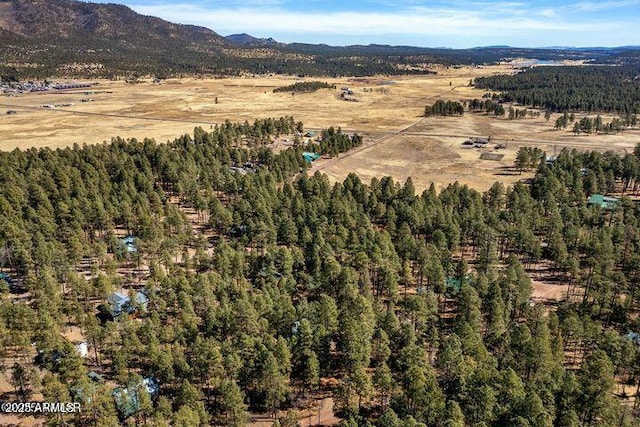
x=119 y=303
x=310 y=157
x=604 y=202
x=129 y=243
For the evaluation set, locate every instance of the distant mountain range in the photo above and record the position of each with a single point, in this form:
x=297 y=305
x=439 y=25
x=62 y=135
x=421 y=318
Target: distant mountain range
x=71 y=20
x=41 y=38
x=246 y=39
x=57 y=35
x=592 y=49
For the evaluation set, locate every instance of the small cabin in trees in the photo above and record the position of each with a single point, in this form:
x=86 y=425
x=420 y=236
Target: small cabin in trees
x=454 y=284
x=129 y=244
x=234 y=169
x=238 y=230
x=83 y=349
x=604 y=202
x=633 y=337
x=115 y=304
x=127 y=399
x=4 y=277
x=52 y=359
x=119 y=303
x=94 y=376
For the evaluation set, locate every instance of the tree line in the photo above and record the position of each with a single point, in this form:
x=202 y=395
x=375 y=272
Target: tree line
x=612 y=89
x=444 y=108
x=595 y=125
x=490 y=106
x=305 y=87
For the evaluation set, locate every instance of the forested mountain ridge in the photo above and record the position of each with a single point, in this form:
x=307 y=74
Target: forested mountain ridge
x=415 y=309
x=48 y=34
x=41 y=38
x=69 y=19
x=564 y=89
x=247 y=39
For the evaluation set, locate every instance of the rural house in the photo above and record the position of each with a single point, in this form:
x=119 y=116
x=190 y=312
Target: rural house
x=119 y=303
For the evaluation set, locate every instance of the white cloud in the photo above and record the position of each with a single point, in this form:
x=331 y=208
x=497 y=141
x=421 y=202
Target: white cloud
x=589 y=6
x=475 y=21
x=549 y=13
x=416 y=21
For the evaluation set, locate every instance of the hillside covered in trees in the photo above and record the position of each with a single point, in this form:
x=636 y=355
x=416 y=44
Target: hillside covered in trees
x=264 y=286
x=614 y=89
x=40 y=39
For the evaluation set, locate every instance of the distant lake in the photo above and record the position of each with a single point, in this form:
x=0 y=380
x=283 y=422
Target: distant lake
x=539 y=62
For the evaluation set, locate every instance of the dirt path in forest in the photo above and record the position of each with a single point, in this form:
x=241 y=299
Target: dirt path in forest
x=319 y=414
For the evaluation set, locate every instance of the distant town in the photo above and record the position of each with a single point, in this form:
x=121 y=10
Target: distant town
x=14 y=88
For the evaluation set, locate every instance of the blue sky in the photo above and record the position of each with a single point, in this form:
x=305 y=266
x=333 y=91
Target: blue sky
x=456 y=24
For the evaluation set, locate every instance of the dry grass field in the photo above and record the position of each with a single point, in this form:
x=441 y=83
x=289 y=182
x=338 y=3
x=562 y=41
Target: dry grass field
x=431 y=151
x=387 y=111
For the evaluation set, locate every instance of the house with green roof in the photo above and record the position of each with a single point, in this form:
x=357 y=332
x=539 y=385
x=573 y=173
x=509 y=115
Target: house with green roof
x=310 y=157
x=454 y=284
x=604 y=202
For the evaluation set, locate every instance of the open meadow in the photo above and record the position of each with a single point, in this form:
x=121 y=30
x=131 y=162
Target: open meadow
x=432 y=150
x=174 y=107
x=386 y=110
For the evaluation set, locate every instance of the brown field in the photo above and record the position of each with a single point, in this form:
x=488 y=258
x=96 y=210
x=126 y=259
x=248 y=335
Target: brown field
x=431 y=151
x=398 y=141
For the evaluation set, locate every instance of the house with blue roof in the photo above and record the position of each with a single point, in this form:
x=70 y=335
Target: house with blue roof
x=119 y=303
x=129 y=244
x=116 y=302
x=127 y=399
x=633 y=337
x=4 y=277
